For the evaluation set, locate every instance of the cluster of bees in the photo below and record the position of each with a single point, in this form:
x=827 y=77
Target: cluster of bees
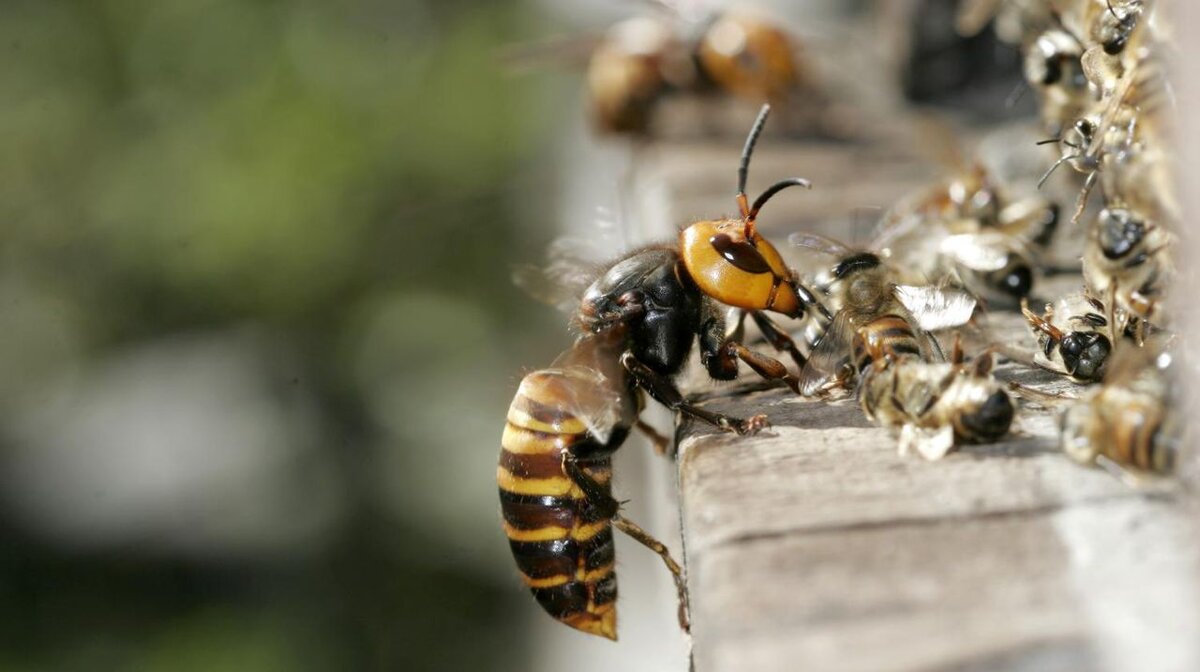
x=869 y=318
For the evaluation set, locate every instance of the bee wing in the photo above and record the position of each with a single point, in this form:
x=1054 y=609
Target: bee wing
x=819 y=244
x=812 y=253
x=828 y=355
x=936 y=308
x=1103 y=72
x=931 y=443
x=983 y=251
x=560 y=282
x=592 y=397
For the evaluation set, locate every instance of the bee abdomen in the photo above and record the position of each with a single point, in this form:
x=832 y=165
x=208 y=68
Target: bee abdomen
x=889 y=334
x=562 y=545
x=1139 y=442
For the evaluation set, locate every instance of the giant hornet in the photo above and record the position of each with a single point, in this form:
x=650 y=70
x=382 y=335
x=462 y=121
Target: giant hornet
x=638 y=321
x=642 y=59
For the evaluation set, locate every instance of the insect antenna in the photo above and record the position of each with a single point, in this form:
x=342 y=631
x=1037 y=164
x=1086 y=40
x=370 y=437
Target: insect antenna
x=1048 y=141
x=744 y=164
x=775 y=189
x=1055 y=167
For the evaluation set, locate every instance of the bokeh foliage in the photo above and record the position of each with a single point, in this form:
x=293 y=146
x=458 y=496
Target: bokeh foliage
x=350 y=181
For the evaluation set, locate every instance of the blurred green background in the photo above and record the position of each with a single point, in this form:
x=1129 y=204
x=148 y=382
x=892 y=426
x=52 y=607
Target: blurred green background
x=255 y=317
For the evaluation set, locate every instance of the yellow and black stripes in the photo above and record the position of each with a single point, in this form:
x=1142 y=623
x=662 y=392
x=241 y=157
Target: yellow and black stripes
x=561 y=541
x=1136 y=440
x=885 y=335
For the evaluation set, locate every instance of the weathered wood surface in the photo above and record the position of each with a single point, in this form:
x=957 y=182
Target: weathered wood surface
x=815 y=546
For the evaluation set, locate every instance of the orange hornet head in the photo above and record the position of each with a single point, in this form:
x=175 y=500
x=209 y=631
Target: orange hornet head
x=739 y=271
x=749 y=58
x=729 y=261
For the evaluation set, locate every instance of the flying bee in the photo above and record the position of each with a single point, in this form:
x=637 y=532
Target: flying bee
x=965 y=227
x=1131 y=422
x=1126 y=260
x=1071 y=337
x=637 y=322
x=935 y=405
x=870 y=303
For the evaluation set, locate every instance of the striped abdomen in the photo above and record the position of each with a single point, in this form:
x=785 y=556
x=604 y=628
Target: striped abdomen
x=889 y=334
x=563 y=546
x=1136 y=439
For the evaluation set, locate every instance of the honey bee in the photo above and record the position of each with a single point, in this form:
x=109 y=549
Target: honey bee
x=1122 y=143
x=872 y=311
x=643 y=59
x=1131 y=422
x=1111 y=31
x=1126 y=260
x=1053 y=67
x=1071 y=338
x=965 y=228
x=935 y=405
x=637 y=322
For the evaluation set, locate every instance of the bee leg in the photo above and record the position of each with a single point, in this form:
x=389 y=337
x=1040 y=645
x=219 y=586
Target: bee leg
x=1044 y=399
x=604 y=504
x=778 y=338
x=1081 y=203
x=665 y=392
x=662 y=444
x=642 y=537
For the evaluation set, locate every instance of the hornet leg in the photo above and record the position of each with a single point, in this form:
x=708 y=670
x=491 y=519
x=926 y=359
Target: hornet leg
x=596 y=496
x=778 y=338
x=665 y=392
x=662 y=444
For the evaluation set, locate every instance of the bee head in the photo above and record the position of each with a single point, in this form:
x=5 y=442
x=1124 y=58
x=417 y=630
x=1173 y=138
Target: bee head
x=1119 y=232
x=1051 y=54
x=1114 y=26
x=1084 y=354
x=990 y=420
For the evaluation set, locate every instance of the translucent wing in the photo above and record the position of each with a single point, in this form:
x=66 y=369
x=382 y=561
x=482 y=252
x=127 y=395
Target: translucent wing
x=561 y=280
x=936 y=308
x=984 y=251
x=585 y=394
x=814 y=254
x=819 y=244
x=829 y=356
